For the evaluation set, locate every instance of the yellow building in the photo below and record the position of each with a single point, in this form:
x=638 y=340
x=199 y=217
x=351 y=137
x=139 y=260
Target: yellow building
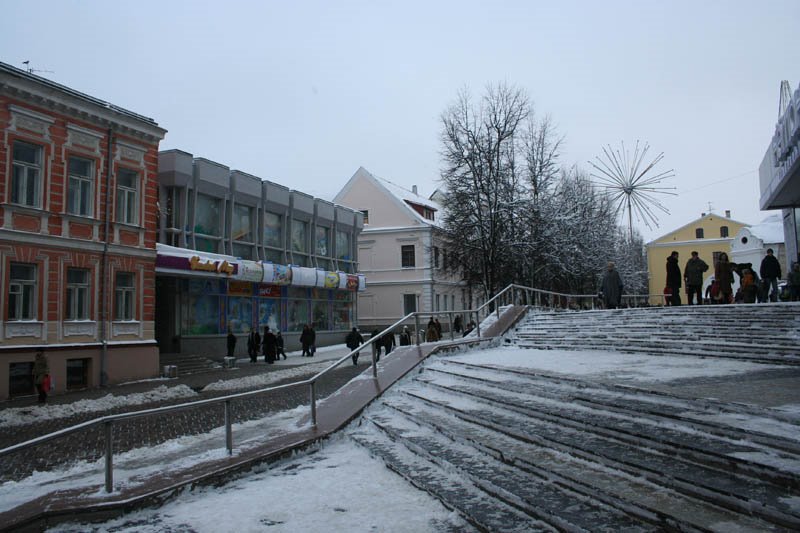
x=709 y=235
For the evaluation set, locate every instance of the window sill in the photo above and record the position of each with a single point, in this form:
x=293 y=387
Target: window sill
x=125 y=327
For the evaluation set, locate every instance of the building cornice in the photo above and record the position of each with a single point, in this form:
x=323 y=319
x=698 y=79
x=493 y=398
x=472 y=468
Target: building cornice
x=23 y=237
x=62 y=100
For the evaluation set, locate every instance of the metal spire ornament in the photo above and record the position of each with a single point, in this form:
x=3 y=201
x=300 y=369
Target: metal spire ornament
x=625 y=176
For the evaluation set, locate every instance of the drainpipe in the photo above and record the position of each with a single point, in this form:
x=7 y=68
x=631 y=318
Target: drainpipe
x=104 y=269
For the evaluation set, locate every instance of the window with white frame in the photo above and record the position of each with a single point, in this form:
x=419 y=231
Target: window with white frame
x=80 y=186
x=22 y=292
x=77 y=294
x=127 y=196
x=124 y=294
x=407 y=256
x=26 y=178
x=409 y=303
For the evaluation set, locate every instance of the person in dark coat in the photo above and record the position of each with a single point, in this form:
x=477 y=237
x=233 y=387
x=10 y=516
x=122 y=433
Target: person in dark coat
x=458 y=324
x=611 y=287
x=231 y=343
x=279 y=345
x=306 y=341
x=388 y=342
x=253 y=344
x=674 y=279
x=353 y=341
x=313 y=336
x=438 y=327
x=270 y=344
x=794 y=283
x=723 y=275
x=432 y=334
x=377 y=344
x=405 y=337
x=771 y=272
x=41 y=376
x=693 y=276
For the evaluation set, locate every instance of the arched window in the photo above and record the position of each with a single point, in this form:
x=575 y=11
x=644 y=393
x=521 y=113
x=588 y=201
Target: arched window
x=723 y=231
x=698 y=233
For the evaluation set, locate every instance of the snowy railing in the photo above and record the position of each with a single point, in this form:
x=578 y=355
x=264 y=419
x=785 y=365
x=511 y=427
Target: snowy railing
x=521 y=295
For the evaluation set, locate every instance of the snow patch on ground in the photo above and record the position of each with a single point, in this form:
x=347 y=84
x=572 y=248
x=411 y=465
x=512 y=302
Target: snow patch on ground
x=19 y=416
x=338 y=488
x=266 y=379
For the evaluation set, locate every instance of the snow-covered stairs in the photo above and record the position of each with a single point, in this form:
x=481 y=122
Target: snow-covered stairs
x=752 y=332
x=512 y=450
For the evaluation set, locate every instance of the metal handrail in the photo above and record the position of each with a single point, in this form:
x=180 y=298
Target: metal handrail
x=108 y=420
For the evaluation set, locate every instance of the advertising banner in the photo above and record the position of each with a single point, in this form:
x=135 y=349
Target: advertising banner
x=250 y=271
x=304 y=276
x=277 y=274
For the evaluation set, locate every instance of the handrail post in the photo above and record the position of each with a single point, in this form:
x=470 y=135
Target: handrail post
x=478 y=324
x=416 y=327
x=228 y=429
x=375 y=349
x=109 y=457
x=450 y=322
x=313 y=394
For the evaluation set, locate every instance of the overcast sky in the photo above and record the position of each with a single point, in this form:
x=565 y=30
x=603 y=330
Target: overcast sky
x=303 y=93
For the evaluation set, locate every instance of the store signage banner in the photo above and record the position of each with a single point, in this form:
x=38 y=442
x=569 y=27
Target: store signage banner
x=250 y=271
x=304 y=276
x=277 y=274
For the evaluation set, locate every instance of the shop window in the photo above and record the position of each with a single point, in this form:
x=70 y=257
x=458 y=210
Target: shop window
x=20 y=379
x=202 y=244
x=207 y=215
x=299 y=236
x=698 y=233
x=77 y=294
x=273 y=230
x=407 y=256
x=127 y=196
x=80 y=198
x=242 y=223
x=240 y=314
x=723 y=231
x=22 y=292
x=78 y=373
x=319 y=315
x=321 y=239
x=245 y=251
x=297 y=314
x=274 y=256
x=124 y=296
x=343 y=246
x=269 y=313
x=26 y=179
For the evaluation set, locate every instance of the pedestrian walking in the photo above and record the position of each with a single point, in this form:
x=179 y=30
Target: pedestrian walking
x=353 y=341
x=231 y=342
x=723 y=276
x=405 y=337
x=377 y=344
x=771 y=273
x=279 y=346
x=438 y=327
x=673 y=279
x=388 y=342
x=794 y=283
x=693 y=276
x=253 y=344
x=611 y=287
x=431 y=335
x=41 y=376
x=458 y=324
x=269 y=346
x=306 y=341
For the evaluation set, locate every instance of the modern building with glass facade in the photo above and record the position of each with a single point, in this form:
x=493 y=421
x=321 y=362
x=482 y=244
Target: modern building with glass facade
x=779 y=172
x=237 y=252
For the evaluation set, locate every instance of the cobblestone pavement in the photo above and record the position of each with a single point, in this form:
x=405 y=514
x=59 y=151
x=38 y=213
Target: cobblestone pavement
x=152 y=430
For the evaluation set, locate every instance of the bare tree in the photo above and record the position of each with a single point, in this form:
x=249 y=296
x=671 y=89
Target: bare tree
x=479 y=149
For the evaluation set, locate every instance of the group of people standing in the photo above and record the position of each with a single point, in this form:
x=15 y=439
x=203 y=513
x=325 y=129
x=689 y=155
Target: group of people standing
x=269 y=344
x=721 y=289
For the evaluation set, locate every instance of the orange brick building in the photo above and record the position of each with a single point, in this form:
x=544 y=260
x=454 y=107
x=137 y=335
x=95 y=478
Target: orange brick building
x=78 y=211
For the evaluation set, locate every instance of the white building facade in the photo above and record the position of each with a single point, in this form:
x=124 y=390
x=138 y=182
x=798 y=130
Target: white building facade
x=400 y=252
x=751 y=243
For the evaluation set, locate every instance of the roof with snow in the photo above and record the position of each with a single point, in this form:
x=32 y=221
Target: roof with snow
x=769 y=230
x=410 y=198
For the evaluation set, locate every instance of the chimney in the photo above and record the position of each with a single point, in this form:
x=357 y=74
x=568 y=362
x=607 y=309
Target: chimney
x=414 y=189
x=727 y=213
